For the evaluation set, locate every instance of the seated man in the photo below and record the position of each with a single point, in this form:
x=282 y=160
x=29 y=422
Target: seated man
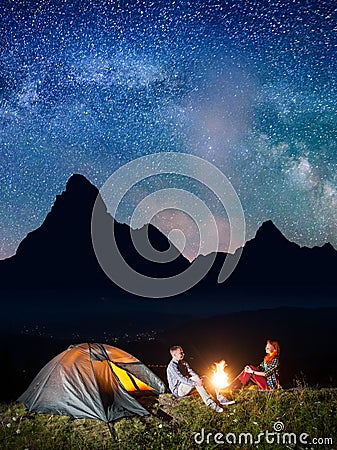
x=182 y=380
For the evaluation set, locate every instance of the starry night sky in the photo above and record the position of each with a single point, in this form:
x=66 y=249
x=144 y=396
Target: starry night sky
x=87 y=86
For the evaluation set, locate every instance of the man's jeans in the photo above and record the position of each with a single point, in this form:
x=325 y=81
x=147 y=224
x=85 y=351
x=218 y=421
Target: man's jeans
x=185 y=389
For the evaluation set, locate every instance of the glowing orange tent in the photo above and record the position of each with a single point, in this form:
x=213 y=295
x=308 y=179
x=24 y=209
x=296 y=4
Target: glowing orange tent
x=91 y=380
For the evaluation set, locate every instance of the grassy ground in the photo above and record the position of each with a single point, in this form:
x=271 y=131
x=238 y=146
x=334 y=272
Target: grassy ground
x=187 y=424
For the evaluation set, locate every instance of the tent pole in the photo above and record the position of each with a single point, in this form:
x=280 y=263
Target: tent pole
x=112 y=432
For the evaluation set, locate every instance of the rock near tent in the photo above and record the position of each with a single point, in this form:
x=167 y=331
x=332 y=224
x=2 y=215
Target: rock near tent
x=94 y=381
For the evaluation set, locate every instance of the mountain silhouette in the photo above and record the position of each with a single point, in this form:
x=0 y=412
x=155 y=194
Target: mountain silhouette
x=271 y=261
x=59 y=254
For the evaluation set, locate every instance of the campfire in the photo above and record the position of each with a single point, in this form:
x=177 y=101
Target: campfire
x=220 y=378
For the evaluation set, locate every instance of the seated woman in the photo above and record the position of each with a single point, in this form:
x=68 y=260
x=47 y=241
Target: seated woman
x=267 y=377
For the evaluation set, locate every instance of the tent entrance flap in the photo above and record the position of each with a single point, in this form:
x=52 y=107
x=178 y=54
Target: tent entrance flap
x=129 y=381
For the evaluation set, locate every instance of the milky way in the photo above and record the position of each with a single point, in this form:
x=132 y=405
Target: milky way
x=88 y=86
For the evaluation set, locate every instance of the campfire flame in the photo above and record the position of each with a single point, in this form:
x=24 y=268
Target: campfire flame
x=220 y=378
